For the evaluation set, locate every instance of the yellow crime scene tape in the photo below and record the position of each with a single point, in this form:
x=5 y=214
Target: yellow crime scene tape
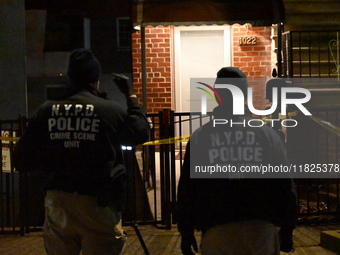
x=9 y=139
x=327 y=125
x=170 y=140
x=289 y=114
x=180 y=139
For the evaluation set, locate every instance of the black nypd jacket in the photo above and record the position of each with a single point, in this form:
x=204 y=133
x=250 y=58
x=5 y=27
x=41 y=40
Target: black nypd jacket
x=76 y=143
x=230 y=197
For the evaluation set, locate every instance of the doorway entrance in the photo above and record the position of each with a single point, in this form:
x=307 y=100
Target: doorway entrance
x=200 y=51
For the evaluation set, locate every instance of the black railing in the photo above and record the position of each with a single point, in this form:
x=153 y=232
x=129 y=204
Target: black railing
x=162 y=162
x=11 y=183
x=309 y=142
x=317 y=197
x=159 y=167
x=311 y=54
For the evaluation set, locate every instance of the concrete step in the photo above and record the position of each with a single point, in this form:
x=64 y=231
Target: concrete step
x=330 y=240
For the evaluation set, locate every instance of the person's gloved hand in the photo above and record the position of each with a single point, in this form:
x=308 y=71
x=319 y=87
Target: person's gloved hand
x=286 y=240
x=122 y=82
x=188 y=241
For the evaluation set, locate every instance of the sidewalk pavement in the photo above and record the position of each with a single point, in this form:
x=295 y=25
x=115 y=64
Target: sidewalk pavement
x=162 y=242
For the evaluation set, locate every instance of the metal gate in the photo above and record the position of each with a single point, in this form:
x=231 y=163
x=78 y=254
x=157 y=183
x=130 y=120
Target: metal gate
x=319 y=199
x=162 y=162
x=156 y=172
x=10 y=181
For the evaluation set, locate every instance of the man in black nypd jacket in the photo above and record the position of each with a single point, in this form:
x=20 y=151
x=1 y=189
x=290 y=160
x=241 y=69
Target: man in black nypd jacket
x=76 y=142
x=237 y=214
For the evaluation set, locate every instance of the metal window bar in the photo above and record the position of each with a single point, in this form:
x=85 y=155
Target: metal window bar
x=173 y=187
x=311 y=53
x=300 y=56
x=319 y=55
x=149 y=164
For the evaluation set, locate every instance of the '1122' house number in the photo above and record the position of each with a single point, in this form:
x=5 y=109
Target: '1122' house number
x=247 y=40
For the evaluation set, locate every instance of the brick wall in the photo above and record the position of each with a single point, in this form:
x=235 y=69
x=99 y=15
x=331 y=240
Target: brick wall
x=158 y=67
x=254 y=60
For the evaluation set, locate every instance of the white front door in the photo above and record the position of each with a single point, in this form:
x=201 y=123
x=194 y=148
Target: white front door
x=200 y=51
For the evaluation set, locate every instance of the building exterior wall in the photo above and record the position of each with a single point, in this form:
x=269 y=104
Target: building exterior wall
x=47 y=59
x=254 y=60
x=158 y=67
x=12 y=60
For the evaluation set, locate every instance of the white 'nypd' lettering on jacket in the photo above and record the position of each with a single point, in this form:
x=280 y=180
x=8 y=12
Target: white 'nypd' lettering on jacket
x=73 y=123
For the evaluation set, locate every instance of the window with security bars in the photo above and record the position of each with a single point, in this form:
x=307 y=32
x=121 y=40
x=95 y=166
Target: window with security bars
x=123 y=33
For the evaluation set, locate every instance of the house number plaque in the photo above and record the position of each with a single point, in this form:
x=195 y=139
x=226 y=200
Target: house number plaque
x=248 y=40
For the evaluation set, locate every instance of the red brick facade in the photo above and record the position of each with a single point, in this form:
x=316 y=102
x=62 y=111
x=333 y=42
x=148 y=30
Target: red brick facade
x=255 y=60
x=158 y=67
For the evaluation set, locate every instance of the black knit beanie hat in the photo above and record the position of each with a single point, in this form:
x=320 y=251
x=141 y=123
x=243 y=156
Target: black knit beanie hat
x=233 y=76
x=83 y=67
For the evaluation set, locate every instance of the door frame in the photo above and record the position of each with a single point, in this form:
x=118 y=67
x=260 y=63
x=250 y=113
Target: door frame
x=176 y=46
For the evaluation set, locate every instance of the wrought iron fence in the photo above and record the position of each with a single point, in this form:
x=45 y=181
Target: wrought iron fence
x=162 y=162
x=310 y=142
x=318 y=198
x=160 y=170
x=311 y=54
x=10 y=181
